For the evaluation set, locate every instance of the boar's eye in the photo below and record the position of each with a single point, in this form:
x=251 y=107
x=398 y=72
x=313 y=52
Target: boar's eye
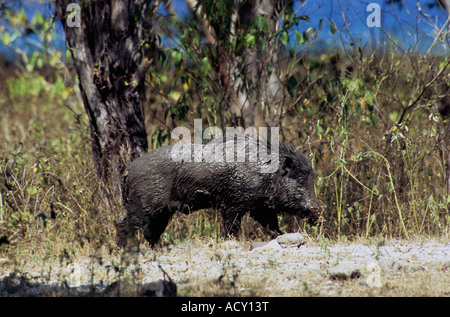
x=288 y=164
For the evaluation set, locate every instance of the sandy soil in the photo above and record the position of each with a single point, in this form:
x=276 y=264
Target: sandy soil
x=391 y=268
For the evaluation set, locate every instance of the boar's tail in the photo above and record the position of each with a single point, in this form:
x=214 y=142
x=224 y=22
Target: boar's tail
x=125 y=189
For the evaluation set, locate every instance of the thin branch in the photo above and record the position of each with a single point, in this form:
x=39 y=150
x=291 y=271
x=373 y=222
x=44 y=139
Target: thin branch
x=425 y=88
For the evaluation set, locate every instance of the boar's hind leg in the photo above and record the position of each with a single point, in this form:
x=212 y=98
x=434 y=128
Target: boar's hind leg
x=156 y=226
x=232 y=220
x=268 y=220
x=123 y=232
x=127 y=226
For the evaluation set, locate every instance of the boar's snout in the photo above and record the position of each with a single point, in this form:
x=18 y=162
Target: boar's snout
x=314 y=214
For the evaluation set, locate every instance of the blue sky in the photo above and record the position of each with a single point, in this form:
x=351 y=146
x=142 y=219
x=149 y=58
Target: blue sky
x=404 y=23
x=402 y=20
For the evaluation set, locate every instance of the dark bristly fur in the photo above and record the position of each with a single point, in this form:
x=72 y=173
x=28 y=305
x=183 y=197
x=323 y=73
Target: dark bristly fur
x=155 y=187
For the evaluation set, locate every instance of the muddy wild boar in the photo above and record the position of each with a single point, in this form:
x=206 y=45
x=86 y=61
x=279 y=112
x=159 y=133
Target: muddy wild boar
x=159 y=183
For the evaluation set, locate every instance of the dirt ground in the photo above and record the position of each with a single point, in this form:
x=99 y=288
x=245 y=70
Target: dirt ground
x=232 y=268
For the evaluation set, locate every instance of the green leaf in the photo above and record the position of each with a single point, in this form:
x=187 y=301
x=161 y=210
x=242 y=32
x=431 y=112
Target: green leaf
x=205 y=66
x=332 y=28
x=39 y=62
x=250 y=39
x=177 y=56
x=38 y=19
x=319 y=129
x=304 y=18
x=291 y=51
x=261 y=24
x=299 y=37
x=32 y=190
x=284 y=37
x=393 y=116
x=374 y=120
x=5 y=39
x=375 y=190
x=262 y=44
x=369 y=97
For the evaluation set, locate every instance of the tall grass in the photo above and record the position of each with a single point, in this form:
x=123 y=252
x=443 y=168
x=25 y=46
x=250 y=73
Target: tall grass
x=50 y=198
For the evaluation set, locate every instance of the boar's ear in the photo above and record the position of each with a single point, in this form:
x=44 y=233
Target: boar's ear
x=288 y=164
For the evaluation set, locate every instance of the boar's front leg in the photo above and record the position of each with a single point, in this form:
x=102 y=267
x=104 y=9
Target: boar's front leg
x=268 y=219
x=156 y=226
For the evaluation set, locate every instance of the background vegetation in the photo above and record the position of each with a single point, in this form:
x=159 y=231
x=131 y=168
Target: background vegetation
x=376 y=124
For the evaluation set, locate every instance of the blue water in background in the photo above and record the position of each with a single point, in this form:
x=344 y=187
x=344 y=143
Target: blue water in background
x=400 y=21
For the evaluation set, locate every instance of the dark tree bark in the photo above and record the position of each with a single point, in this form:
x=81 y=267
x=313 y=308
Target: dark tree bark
x=107 y=51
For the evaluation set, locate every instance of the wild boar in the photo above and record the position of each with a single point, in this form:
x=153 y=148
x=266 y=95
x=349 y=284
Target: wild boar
x=161 y=182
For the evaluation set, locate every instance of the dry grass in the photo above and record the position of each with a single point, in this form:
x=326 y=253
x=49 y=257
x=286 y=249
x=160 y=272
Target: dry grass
x=52 y=211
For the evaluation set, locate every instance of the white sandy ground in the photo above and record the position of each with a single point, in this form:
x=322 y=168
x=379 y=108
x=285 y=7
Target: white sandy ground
x=198 y=268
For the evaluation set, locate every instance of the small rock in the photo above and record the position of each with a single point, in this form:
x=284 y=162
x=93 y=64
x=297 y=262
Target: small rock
x=272 y=245
x=257 y=244
x=291 y=240
x=345 y=270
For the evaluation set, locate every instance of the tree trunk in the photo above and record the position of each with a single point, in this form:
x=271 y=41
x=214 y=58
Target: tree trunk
x=265 y=94
x=255 y=94
x=111 y=65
